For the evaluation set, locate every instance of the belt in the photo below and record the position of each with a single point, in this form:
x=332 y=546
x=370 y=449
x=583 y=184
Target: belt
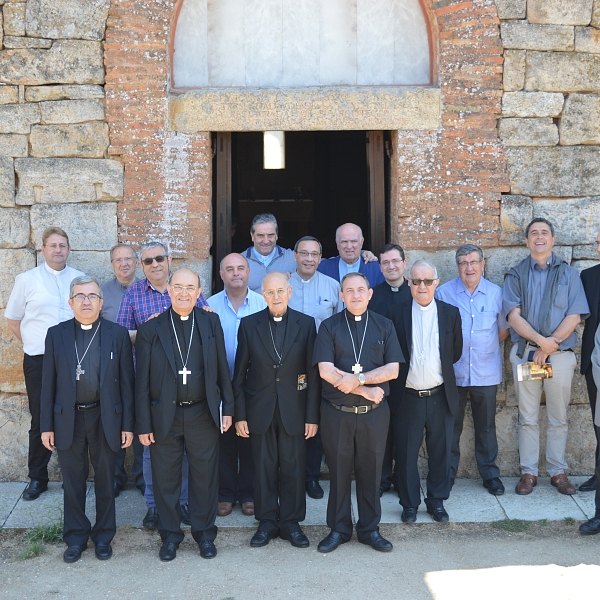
x=87 y=406
x=536 y=346
x=532 y=344
x=357 y=410
x=425 y=393
x=189 y=403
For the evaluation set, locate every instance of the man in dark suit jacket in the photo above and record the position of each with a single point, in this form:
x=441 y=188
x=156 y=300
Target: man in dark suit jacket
x=87 y=404
x=591 y=284
x=277 y=399
x=182 y=377
x=425 y=395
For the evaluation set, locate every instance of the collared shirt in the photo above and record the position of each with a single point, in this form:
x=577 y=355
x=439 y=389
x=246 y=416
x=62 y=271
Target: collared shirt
x=230 y=320
x=345 y=268
x=317 y=297
x=425 y=371
x=141 y=301
x=481 y=315
x=265 y=260
x=40 y=300
x=384 y=295
x=569 y=300
x=112 y=293
x=282 y=261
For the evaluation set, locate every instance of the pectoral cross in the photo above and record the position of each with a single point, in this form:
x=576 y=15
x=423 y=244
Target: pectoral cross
x=79 y=371
x=357 y=368
x=185 y=373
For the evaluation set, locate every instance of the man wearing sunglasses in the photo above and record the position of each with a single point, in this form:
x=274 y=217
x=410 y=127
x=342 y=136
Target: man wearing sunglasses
x=144 y=300
x=424 y=397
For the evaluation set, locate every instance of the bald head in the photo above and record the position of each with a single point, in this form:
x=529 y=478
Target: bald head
x=349 y=241
x=234 y=272
x=277 y=293
x=184 y=290
x=184 y=274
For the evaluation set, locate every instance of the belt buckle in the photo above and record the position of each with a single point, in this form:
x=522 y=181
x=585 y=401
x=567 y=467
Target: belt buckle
x=362 y=411
x=424 y=393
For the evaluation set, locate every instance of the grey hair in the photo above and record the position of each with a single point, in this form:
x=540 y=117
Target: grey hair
x=82 y=280
x=264 y=218
x=122 y=245
x=466 y=249
x=156 y=244
x=424 y=263
x=344 y=225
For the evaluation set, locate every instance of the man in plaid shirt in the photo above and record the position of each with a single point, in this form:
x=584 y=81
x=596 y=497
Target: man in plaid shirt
x=145 y=300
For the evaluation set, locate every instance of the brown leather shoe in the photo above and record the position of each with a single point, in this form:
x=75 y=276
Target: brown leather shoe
x=562 y=484
x=526 y=484
x=248 y=508
x=224 y=509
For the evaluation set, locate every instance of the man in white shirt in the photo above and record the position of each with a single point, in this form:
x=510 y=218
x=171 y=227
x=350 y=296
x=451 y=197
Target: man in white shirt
x=425 y=396
x=39 y=300
x=318 y=296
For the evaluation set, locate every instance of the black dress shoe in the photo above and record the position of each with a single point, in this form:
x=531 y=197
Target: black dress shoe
x=589 y=486
x=73 y=553
x=168 y=551
x=185 y=514
x=296 y=539
x=103 y=551
x=331 y=542
x=151 y=519
x=34 y=489
x=314 y=490
x=383 y=488
x=207 y=549
x=494 y=486
x=377 y=542
x=142 y=488
x=118 y=489
x=409 y=515
x=439 y=514
x=591 y=527
x=262 y=538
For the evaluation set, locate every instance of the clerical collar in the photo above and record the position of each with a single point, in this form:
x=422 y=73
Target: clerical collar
x=355 y=317
x=182 y=317
x=396 y=289
x=278 y=319
x=86 y=327
x=425 y=308
x=53 y=272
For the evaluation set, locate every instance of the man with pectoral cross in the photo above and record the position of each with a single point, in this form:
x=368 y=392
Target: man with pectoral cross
x=181 y=379
x=354 y=414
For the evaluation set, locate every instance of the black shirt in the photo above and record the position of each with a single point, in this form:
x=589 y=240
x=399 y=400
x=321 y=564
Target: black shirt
x=278 y=329
x=335 y=346
x=384 y=296
x=87 y=387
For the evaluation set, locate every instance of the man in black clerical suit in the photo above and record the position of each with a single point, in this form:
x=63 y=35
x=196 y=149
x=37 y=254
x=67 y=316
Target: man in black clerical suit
x=393 y=290
x=87 y=405
x=182 y=377
x=425 y=396
x=591 y=284
x=277 y=396
x=358 y=353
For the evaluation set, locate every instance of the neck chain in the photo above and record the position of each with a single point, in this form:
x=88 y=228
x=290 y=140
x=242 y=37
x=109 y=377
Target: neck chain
x=357 y=368
x=184 y=371
x=273 y=340
x=79 y=371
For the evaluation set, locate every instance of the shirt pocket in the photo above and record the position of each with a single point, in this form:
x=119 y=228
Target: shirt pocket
x=484 y=335
x=562 y=297
x=377 y=351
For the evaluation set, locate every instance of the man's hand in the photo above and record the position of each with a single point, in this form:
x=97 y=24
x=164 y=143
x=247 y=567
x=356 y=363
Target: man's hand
x=540 y=357
x=310 y=430
x=126 y=439
x=347 y=382
x=372 y=394
x=368 y=256
x=146 y=438
x=208 y=309
x=226 y=423
x=548 y=345
x=153 y=316
x=48 y=439
x=241 y=429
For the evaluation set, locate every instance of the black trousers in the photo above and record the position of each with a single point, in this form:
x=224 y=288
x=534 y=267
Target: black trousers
x=88 y=435
x=195 y=431
x=389 y=471
x=314 y=457
x=414 y=415
x=236 y=468
x=592 y=394
x=358 y=441
x=483 y=407
x=279 y=461
x=39 y=455
x=137 y=470
x=597 y=498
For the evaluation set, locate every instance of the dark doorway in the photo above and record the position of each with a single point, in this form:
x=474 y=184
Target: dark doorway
x=331 y=177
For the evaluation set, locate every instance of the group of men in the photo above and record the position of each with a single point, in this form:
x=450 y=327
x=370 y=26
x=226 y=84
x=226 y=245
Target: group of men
x=235 y=400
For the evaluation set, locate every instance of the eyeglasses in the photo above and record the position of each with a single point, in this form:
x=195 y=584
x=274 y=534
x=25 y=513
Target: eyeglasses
x=427 y=282
x=93 y=298
x=464 y=264
x=272 y=293
x=179 y=289
x=394 y=261
x=129 y=260
x=160 y=258
x=305 y=254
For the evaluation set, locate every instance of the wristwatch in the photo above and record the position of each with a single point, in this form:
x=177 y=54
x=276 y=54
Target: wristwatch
x=361 y=379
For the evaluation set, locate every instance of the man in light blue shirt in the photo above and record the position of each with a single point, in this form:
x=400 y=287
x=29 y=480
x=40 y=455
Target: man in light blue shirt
x=479 y=370
x=236 y=468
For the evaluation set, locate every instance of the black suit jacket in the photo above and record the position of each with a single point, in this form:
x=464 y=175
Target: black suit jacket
x=591 y=284
x=116 y=383
x=156 y=373
x=451 y=342
x=258 y=382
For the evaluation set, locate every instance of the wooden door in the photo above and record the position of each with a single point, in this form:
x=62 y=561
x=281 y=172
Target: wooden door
x=376 y=168
x=222 y=216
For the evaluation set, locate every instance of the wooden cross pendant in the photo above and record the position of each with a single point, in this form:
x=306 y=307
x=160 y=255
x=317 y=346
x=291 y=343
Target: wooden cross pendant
x=185 y=373
x=357 y=368
x=79 y=371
